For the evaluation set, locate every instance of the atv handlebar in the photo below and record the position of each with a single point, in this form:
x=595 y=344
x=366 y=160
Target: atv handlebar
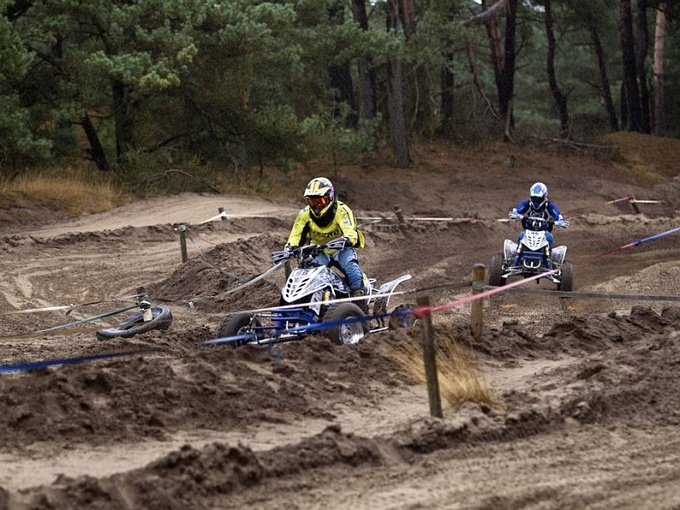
x=307 y=251
x=539 y=220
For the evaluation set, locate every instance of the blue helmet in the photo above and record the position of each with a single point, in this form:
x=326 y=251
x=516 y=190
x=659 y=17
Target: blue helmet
x=538 y=196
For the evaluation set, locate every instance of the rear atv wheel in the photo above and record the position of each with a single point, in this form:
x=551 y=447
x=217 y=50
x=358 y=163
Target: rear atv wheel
x=349 y=332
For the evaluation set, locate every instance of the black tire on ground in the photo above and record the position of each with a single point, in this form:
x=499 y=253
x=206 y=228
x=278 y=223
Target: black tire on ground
x=134 y=324
x=496 y=270
x=402 y=320
x=349 y=333
x=567 y=280
x=241 y=323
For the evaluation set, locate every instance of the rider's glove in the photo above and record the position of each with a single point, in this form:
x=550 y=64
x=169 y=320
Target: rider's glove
x=562 y=223
x=514 y=215
x=288 y=247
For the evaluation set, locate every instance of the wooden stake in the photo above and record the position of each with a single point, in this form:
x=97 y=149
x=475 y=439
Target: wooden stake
x=430 y=360
x=477 y=319
x=400 y=215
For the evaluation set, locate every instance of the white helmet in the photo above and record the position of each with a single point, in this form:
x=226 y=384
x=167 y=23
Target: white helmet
x=538 y=195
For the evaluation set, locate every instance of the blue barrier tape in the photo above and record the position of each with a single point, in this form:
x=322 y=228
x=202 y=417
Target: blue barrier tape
x=310 y=327
x=36 y=365
x=638 y=242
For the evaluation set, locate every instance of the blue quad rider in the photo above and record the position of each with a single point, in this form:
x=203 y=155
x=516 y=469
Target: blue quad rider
x=538 y=206
x=323 y=219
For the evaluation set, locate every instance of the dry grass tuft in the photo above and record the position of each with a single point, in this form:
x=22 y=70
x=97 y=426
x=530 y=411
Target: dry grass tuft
x=75 y=192
x=459 y=379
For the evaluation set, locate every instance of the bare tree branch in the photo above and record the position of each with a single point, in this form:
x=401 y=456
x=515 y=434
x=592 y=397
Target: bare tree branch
x=484 y=16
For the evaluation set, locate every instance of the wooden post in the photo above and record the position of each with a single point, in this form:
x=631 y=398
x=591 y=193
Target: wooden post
x=223 y=216
x=478 y=277
x=430 y=360
x=633 y=203
x=400 y=215
x=182 y=229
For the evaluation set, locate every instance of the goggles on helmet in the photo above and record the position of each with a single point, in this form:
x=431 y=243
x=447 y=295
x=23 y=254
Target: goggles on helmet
x=318 y=202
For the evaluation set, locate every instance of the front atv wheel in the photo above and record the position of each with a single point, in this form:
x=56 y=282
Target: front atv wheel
x=349 y=332
x=496 y=271
x=239 y=324
x=567 y=280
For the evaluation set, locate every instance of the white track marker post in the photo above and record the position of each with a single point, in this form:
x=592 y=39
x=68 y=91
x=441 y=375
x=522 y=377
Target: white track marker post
x=223 y=215
x=477 y=314
x=430 y=359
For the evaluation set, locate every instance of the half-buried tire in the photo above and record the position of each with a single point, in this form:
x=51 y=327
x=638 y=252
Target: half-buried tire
x=135 y=324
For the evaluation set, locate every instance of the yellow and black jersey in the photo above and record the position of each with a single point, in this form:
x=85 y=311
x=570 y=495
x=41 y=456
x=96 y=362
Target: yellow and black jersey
x=342 y=224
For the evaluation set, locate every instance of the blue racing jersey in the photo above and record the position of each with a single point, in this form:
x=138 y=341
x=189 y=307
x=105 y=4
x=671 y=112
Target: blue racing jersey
x=548 y=211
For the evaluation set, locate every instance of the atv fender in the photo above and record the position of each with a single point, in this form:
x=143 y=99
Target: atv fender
x=388 y=287
x=385 y=291
x=558 y=255
x=509 y=249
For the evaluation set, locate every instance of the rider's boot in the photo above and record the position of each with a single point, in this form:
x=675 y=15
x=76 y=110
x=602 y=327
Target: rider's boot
x=362 y=303
x=548 y=266
x=548 y=263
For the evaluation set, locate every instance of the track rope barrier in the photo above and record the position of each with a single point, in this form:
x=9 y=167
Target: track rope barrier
x=638 y=242
x=416 y=312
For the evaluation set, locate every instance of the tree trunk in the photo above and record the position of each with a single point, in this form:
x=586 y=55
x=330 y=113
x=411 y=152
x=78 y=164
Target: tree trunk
x=659 y=93
x=123 y=118
x=341 y=82
x=494 y=36
x=96 y=151
x=395 y=97
x=603 y=79
x=341 y=76
x=641 y=56
x=624 y=106
x=477 y=81
x=447 y=98
x=557 y=95
x=629 y=67
x=407 y=14
x=366 y=74
x=507 y=88
x=446 y=84
x=418 y=102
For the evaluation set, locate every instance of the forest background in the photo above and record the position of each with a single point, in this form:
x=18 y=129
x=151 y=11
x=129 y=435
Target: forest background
x=153 y=96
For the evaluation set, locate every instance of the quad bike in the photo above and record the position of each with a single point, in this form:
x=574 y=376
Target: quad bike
x=531 y=257
x=307 y=302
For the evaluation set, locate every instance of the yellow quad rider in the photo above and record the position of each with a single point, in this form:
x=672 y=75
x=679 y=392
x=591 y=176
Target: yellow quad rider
x=323 y=219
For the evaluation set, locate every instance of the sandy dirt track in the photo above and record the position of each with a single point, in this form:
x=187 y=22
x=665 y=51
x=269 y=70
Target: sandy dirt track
x=587 y=389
